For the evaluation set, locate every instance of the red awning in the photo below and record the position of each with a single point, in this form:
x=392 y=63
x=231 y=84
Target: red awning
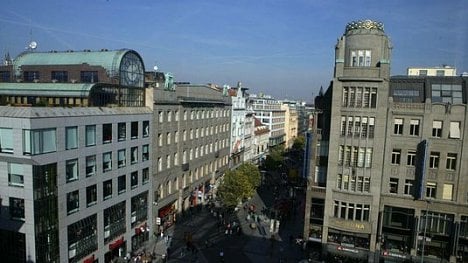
x=89 y=260
x=116 y=243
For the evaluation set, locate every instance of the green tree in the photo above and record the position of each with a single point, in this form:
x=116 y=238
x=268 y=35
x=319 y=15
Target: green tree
x=275 y=158
x=299 y=143
x=239 y=185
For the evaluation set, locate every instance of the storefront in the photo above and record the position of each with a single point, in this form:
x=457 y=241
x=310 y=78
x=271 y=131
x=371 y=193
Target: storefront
x=167 y=216
x=337 y=253
x=141 y=236
x=117 y=248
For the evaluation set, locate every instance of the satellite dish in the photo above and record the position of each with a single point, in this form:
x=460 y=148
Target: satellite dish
x=33 y=45
x=155 y=68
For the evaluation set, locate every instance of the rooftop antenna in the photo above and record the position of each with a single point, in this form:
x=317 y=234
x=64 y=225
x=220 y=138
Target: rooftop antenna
x=32 y=44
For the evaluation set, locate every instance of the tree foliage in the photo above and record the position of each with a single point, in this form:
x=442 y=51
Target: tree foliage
x=299 y=143
x=275 y=157
x=239 y=184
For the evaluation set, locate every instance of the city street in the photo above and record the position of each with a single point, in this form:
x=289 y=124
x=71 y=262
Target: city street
x=207 y=233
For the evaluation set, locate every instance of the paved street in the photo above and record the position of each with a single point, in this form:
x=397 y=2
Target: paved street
x=207 y=232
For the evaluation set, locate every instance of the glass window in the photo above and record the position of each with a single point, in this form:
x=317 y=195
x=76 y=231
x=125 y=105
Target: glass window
x=90 y=135
x=15 y=174
x=71 y=137
x=409 y=187
x=17 y=208
x=106 y=161
x=89 y=76
x=145 y=153
x=134 y=179
x=107 y=133
x=437 y=129
x=434 y=160
x=134 y=155
x=59 y=76
x=121 y=158
x=73 y=202
x=454 y=130
x=90 y=165
x=91 y=195
x=39 y=141
x=6 y=140
x=71 y=170
x=107 y=189
x=414 y=127
x=145 y=175
x=30 y=76
x=134 y=130
x=146 y=128
x=168 y=138
x=394 y=185
x=411 y=158
x=451 y=161
x=447 y=192
x=122 y=131
x=122 y=184
x=431 y=189
x=396 y=156
x=398 y=126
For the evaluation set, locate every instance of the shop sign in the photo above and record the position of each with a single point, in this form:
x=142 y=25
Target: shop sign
x=158 y=221
x=116 y=243
x=393 y=254
x=347 y=249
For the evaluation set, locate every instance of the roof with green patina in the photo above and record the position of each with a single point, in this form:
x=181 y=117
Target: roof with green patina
x=47 y=89
x=109 y=59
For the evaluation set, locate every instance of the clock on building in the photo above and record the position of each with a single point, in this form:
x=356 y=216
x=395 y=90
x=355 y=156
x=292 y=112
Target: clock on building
x=131 y=70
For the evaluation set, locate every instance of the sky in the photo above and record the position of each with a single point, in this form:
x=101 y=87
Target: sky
x=283 y=48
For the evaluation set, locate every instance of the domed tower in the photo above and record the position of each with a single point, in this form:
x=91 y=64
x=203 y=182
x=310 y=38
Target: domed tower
x=358 y=112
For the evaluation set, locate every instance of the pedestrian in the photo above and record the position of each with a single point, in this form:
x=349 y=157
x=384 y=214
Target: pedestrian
x=221 y=256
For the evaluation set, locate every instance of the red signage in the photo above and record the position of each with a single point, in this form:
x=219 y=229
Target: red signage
x=116 y=243
x=89 y=260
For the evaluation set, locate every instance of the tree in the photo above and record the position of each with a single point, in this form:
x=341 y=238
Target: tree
x=239 y=185
x=299 y=143
x=275 y=158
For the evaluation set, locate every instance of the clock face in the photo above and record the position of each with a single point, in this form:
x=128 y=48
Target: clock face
x=131 y=71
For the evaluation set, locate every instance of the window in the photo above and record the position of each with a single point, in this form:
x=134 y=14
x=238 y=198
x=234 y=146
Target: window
x=185 y=115
x=73 y=202
x=121 y=158
x=134 y=131
x=134 y=180
x=90 y=165
x=437 y=129
x=422 y=72
x=447 y=93
x=89 y=76
x=59 y=76
x=122 y=131
x=360 y=58
x=145 y=175
x=169 y=116
x=411 y=158
x=176 y=158
x=414 y=127
x=160 y=117
x=160 y=139
x=15 y=175
x=398 y=127
x=409 y=187
x=184 y=135
x=134 y=155
x=39 y=141
x=454 y=130
x=17 y=208
x=5 y=76
x=90 y=135
x=451 y=161
x=394 y=185
x=6 y=140
x=176 y=137
x=107 y=189
x=159 y=164
x=71 y=170
x=396 y=156
x=176 y=115
x=71 y=137
x=30 y=76
x=145 y=153
x=91 y=195
x=434 y=160
x=168 y=138
x=168 y=161
x=146 y=129
x=107 y=133
x=431 y=189
x=447 y=193
x=107 y=161
x=121 y=184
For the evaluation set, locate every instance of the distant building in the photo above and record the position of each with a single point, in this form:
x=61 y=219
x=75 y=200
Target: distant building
x=75 y=156
x=290 y=124
x=268 y=111
x=261 y=140
x=432 y=71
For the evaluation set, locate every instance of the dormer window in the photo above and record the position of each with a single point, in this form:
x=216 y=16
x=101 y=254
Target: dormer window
x=59 y=76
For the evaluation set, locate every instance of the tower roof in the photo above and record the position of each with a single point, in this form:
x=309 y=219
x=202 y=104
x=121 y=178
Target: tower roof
x=364 y=24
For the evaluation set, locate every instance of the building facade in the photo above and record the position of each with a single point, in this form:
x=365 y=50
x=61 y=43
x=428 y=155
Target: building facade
x=392 y=150
x=191 y=145
x=75 y=159
x=269 y=112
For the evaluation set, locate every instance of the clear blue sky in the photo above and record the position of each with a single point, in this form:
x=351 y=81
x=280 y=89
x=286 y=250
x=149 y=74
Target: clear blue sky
x=284 y=48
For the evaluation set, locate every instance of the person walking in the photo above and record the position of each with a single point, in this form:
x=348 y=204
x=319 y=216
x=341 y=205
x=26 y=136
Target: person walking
x=221 y=256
